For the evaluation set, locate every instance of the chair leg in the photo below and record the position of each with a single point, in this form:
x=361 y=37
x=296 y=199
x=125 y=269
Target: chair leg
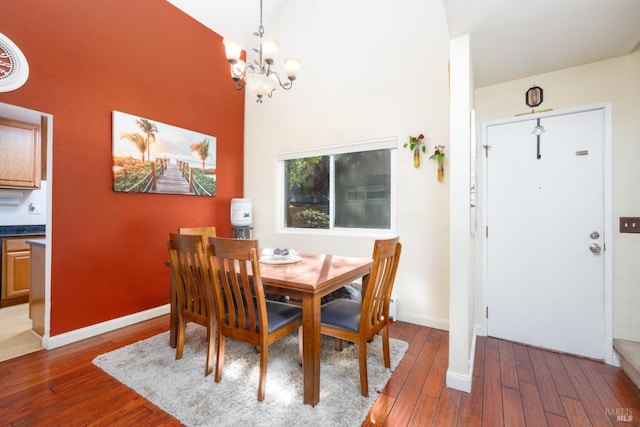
x=180 y=333
x=210 y=349
x=362 y=359
x=300 y=345
x=337 y=345
x=264 y=359
x=219 y=357
x=385 y=346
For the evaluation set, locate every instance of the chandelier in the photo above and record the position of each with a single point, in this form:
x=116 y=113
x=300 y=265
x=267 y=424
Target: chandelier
x=259 y=77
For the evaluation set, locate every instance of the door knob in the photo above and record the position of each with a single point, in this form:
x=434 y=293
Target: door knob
x=594 y=235
x=595 y=248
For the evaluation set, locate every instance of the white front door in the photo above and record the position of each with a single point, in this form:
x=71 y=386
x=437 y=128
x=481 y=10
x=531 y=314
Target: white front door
x=545 y=237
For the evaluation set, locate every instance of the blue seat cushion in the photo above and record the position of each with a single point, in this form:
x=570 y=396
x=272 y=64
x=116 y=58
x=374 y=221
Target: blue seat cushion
x=342 y=313
x=280 y=314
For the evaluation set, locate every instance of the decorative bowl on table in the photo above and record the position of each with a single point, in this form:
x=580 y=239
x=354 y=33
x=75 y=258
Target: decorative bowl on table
x=279 y=256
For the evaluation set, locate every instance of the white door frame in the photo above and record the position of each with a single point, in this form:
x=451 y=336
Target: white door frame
x=608 y=216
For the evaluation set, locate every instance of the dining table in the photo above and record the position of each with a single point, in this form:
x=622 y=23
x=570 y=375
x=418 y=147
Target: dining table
x=306 y=278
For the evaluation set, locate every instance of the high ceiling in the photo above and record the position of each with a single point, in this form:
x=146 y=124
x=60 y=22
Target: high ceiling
x=510 y=39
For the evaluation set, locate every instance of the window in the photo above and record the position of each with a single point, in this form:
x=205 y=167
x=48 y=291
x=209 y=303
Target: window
x=340 y=188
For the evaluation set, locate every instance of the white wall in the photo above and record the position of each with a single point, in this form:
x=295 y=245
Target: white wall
x=616 y=80
x=370 y=69
x=461 y=268
x=18 y=214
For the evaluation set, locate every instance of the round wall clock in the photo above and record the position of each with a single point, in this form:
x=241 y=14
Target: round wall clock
x=14 y=68
x=533 y=97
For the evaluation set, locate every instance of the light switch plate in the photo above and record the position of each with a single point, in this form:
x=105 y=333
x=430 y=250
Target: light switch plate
x=629 y=224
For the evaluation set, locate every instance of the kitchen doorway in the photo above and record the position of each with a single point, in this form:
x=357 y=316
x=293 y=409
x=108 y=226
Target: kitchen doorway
x=547 y=270
x=28 y=210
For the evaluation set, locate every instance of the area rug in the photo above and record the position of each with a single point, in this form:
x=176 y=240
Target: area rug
x=180 y=388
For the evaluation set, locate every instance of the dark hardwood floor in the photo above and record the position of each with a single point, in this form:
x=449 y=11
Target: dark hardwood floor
x=514 y=385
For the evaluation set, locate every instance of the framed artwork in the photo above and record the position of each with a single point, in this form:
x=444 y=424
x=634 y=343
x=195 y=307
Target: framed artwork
x=154 y=157
x=533 y=97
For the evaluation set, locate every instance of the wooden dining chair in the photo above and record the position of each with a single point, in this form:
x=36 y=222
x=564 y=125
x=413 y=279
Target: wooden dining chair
x=195 y=298
x=204 y=232
x=243 y=312
x=357 y=322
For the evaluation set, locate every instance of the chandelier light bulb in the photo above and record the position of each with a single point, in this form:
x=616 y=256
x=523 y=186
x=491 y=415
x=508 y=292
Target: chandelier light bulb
x=233 y=49
x=291 y=67
x=270 y=48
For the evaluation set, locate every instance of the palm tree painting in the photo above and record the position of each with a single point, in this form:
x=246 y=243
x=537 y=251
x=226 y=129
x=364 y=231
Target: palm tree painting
x=149 y=129
x=202 y=150
x=154 y=157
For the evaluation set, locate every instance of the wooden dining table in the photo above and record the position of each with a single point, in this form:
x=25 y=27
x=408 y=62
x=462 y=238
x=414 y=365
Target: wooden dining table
x=315 y=276
x=308 y=280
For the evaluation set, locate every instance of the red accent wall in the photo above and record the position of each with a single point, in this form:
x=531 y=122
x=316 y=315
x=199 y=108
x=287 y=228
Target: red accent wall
x=146 y=58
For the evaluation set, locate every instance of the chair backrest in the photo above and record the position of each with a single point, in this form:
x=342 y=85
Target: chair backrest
x=204 y=232
x=238 y=288
x=375 y=304
x=192 y=275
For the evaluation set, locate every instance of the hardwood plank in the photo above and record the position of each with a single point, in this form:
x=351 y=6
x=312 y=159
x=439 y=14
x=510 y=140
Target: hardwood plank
x=400 y=375
x=418 y=340
x=493 y=343
x=588 y=398
x=410 y=393
x=532 y=405
x=492 y=404
x=471 y=405
x=625 y=391
x=405 y=331
x=548 y=394
x=523 y=364
x=508 y=375
x=478 y=360
x=576 y=415
x=380 y=410
x=512 y=407
x=560 y=376
x=554 y=420
x=448 y=408
x=601 y=388
x=436 y=377
x=56 y=412
x=424 y=411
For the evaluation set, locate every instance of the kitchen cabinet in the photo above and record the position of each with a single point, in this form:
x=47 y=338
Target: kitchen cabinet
x=20 y=154
x=16 y=270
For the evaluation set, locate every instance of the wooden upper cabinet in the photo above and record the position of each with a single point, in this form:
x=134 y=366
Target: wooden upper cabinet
x=20 y=154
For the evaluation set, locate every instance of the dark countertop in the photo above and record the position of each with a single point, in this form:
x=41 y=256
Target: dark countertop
x=21 y=230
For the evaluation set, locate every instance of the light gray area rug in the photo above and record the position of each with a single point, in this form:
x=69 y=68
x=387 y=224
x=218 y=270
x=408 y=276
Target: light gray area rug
x=180 y=388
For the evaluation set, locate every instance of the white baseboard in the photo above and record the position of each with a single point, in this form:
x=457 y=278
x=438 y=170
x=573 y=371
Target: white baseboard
x=615 y=359
x=459 y=382
x=101 y=328
x=463 y=382
x=431 y=322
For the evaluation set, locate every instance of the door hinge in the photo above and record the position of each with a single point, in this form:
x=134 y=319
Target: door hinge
x=486 y=231
x=486 y=150
x=487 y=312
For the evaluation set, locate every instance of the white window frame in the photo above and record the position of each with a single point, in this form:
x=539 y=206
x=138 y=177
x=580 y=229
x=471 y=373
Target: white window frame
x=331 y=150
